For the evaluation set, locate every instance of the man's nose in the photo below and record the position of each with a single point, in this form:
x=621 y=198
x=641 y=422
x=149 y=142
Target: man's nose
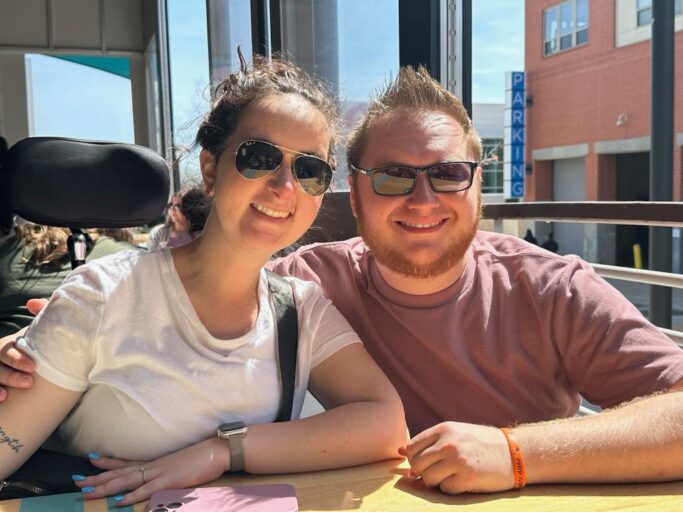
x=422 y=194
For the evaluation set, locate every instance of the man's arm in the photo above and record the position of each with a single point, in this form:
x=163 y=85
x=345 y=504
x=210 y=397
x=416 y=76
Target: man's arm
x=636 y=442
x=16 y=368
x=641 y=441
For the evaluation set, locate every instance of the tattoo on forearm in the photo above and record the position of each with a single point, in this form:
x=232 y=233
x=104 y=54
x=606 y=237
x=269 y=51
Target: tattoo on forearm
x=12 y=442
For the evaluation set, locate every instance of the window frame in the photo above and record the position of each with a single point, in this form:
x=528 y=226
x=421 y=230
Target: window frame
x=553 y=44
x=678 y=10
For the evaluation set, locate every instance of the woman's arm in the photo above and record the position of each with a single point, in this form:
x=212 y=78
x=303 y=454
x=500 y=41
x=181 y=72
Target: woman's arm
x=27 y=418
x=364 y=423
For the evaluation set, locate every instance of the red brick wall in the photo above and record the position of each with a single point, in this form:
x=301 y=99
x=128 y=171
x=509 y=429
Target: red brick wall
x=579 y=93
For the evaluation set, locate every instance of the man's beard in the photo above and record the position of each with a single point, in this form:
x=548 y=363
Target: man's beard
x=402 y=264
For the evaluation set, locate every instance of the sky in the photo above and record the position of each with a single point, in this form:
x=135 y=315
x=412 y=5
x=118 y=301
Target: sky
x=72 y=100
x=498 y=46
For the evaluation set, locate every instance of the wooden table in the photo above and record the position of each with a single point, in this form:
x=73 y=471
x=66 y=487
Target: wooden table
x=382 y=487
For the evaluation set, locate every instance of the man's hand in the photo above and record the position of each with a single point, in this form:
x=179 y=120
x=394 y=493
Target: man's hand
x=461 y=457
x=15 y=367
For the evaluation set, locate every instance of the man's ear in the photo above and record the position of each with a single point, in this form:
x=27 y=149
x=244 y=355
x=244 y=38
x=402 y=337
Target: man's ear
x=352 y=195
x=207 y=163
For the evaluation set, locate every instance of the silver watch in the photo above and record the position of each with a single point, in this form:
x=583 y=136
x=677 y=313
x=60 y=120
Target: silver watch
x=234 y=433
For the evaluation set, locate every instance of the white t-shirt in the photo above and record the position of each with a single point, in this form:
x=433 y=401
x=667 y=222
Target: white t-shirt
x=122 y=330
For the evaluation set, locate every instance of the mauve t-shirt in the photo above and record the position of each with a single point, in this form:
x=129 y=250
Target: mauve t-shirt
x=516 y=339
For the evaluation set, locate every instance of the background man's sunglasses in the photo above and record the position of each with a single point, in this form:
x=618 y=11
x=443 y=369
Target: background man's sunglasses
x=257 y=159
x=444 y=177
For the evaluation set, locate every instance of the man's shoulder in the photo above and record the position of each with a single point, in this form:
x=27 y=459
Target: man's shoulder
x=518 y=255
x=319 y=258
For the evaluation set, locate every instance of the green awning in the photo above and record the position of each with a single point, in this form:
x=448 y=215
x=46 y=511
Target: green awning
x=116 y=65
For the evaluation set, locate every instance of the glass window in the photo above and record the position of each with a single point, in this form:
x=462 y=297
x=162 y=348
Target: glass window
x=644 y=11
x=229 y=27
x=492 y=166
x=581 y=15
x=81 y=100
x=188 y=54
x=351 y=44
x=565 y=25
x=550 y=30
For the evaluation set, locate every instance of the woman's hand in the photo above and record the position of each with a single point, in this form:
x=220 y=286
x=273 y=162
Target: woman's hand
x=191 y=466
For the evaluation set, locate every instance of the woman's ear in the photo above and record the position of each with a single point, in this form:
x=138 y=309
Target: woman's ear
x=207 y=163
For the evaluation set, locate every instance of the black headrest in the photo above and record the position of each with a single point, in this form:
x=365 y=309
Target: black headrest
x=84 y=184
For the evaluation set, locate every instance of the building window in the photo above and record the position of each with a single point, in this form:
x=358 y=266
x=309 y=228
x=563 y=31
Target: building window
x=644 y=11
x=492 y=166
x=565 y=25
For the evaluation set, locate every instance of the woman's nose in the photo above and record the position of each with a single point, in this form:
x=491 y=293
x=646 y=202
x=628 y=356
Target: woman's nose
x=282 y=181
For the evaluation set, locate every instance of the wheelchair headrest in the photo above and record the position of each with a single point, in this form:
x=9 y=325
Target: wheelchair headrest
x=83 y=184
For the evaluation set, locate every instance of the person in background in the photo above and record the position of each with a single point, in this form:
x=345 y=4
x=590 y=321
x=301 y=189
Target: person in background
x=176 y=225
x=168 y=346
x=549 y=244
x=529 y=237
x=34 y=261
x=194 y=208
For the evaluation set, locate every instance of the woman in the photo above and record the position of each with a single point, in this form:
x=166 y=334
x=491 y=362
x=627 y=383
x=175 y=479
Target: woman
x=154 y=350
x=35 y=260
x=194 y=208
x=176 y=225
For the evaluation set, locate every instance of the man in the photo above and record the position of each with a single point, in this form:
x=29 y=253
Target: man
x=478 y=329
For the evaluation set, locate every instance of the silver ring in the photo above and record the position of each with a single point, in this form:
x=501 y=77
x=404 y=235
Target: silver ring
x=141 y=469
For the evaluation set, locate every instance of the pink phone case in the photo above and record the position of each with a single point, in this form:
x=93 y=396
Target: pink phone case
x=243 y=498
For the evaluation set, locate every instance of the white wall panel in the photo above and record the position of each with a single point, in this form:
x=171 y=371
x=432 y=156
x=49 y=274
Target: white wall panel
x=23 y=23
x=123 y=25
x=76 y=24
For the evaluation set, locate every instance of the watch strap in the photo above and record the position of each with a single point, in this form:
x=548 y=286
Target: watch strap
x=236 y=453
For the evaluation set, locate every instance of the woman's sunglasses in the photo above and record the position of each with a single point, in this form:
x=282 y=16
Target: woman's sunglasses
x=397 y=181
x=257 y=159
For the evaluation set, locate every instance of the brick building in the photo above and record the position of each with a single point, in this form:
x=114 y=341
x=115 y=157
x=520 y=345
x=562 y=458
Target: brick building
x=588 y=114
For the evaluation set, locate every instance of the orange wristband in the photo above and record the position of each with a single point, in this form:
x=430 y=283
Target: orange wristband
x=517 y=457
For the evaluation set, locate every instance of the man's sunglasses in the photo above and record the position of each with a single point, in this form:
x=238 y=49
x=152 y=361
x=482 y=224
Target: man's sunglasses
x=257 y=159
x=398 y=180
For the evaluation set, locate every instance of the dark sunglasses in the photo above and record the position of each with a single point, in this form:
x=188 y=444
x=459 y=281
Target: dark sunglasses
x=171 y=206
x=397 y=180
x=257 y=159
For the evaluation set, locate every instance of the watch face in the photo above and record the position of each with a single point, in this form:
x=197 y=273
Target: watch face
x=234 y=428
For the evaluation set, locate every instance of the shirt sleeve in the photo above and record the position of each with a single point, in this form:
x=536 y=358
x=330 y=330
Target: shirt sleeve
x=61 y=339
x=321 y=322
x=610 y=351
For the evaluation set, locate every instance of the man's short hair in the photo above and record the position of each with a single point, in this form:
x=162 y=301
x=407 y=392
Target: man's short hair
x=412 y=91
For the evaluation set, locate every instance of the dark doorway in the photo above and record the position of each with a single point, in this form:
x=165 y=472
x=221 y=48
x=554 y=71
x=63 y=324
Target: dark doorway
x=633 y=184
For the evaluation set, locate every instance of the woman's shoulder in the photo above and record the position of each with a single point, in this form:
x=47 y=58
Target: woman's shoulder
x=124 y=266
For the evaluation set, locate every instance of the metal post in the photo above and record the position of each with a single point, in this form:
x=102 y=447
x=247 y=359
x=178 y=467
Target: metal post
x=661 y=149
x=165 y=92
x=467 y=55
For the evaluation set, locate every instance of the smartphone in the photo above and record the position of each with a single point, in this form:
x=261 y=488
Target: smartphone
x=243 y=498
